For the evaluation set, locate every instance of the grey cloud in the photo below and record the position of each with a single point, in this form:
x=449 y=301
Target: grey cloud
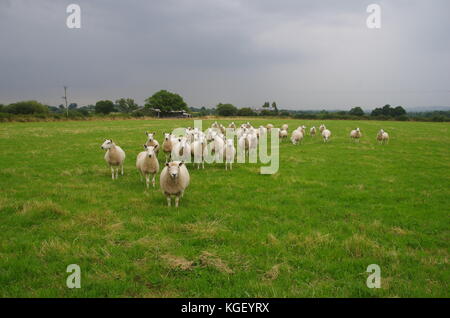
x=303 y=54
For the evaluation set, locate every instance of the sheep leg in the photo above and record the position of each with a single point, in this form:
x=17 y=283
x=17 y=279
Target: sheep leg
x=177 y=199
x=117 y=172
x=168 y=200
x=121 y=166
x=153 y=180
x=112 y=172
x=147 y=180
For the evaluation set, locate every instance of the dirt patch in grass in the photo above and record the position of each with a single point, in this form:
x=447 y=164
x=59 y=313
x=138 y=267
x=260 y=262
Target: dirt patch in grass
x=211 y=260
x=177 y=262
x=272 y=273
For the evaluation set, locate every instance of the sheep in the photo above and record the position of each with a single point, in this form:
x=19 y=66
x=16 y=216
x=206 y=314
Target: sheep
x=269 y=127
x=218 y=145
x=283 y=134
x=302 y=129
x=168 y=143
x=297 y=136
x=243 y=143
x=355 y=134
x=262 y=131
x=383 y=137
x=232 y=125
x=252 y=142
x=198 y=150
x=229 y=153
x=147 y=164
x=322 y=128
x=182 y=150
x=151 y=141
x=284 y=127
x=312 y=131
x=114 y=156
x=326 y=134
x=174 y=180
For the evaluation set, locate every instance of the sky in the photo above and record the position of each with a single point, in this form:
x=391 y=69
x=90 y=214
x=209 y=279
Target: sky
x=301 y=54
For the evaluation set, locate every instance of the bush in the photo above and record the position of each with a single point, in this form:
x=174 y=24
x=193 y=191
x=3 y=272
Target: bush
x=226 y=110
x=104 y=107
x=27 y=107
x=246 y=111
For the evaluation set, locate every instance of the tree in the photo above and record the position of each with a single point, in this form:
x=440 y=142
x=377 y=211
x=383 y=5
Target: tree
x=266 y=105
x=387 y=110
x=166 y=101
x=246 y=111
x=399 y=111
x=226 y=109
x=27 y=107
x=104 y=107
x=275 y=109
x=356 y=111
x=73 y=106
x=126 y=105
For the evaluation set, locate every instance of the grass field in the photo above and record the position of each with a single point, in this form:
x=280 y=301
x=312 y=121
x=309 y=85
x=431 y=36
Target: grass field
x=309 y=230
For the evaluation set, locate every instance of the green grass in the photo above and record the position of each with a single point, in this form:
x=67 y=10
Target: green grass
x=309 y=230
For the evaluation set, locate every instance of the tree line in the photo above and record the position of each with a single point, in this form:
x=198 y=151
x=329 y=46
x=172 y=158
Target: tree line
x=164 y=103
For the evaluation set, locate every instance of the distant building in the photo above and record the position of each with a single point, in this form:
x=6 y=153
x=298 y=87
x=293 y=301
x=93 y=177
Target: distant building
x=260 y=109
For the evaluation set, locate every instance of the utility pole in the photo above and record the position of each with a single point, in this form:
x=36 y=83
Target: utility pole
x=65 y=98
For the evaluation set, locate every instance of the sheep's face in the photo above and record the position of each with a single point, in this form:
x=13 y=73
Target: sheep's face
x=150 y=151
x=150 y=136
x=230 y=143
x=166 y=136
x=107 y=144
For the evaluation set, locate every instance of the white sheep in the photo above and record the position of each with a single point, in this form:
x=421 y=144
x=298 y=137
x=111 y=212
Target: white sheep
x=151 y=141
x=269 y=127
x=198 y=150
x=312 y=131
x=230 y=153
x=297 y=136
x=147 y=164
x=182 y=150
x=383 y=137
x=355 y=134
x=285 y=127
x=283 y=134
x=168 y=143
x=322 y=128
x=174 y=180
x=326 y=134
x=218 y=145
x=114 y=156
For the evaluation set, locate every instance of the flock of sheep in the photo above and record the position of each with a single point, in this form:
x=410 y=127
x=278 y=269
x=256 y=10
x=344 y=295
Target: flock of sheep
x=196 y=145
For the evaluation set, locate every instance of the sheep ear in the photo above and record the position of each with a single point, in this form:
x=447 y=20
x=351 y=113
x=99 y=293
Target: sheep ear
x=167 y=164
x=181 y=163
x=145 y=146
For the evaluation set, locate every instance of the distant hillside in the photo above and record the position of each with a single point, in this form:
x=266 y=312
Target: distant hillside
x=427 y=108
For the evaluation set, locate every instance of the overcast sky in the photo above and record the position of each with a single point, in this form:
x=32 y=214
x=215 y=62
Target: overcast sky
x=301 y=54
